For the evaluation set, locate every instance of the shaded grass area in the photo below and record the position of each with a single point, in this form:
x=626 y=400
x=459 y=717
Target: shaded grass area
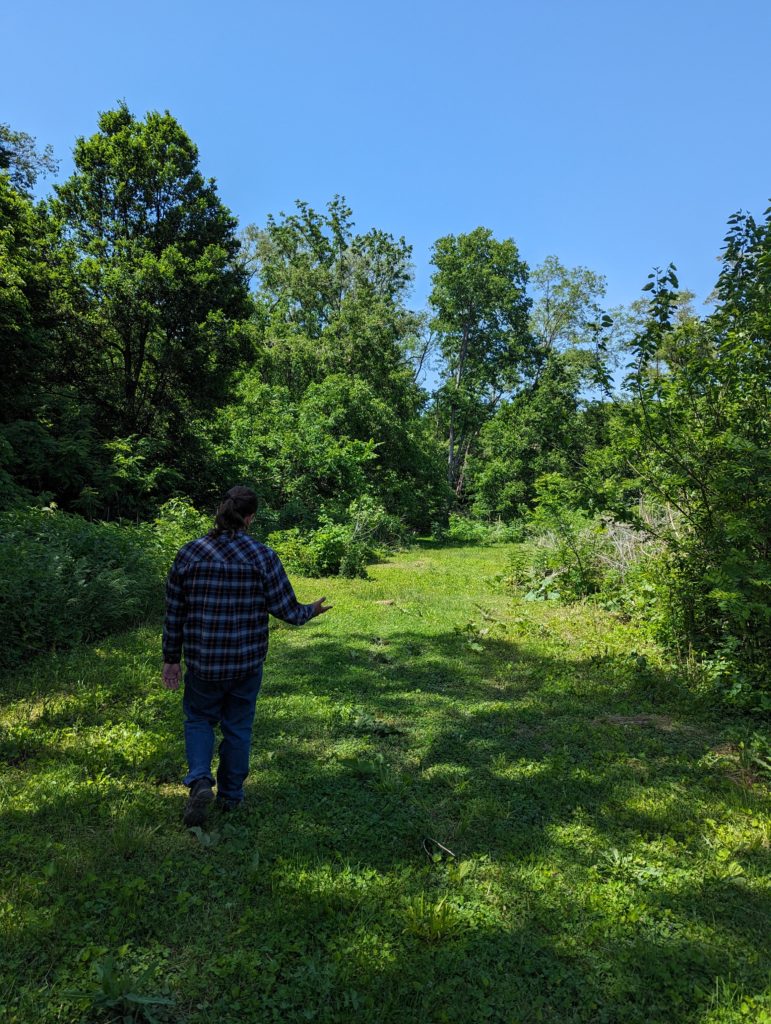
x=461 y=808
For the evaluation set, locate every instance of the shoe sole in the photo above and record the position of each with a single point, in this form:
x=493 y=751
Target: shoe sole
x=197 y=808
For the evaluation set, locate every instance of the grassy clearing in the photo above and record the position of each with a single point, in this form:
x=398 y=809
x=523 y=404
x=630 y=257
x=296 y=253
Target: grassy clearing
x=462 y=808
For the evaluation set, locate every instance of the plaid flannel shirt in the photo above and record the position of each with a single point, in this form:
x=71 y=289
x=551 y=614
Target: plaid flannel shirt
x=219 y=593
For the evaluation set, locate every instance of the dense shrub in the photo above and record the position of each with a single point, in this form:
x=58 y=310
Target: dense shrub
x=697 y=432
x=545 y=428
x=466 y=530
x=176 y=523
x=341 y=548
x=573 y=553
x=312 y=457
x=331 y=550
x=653 y=572
x=64 y=580
x=372 y=524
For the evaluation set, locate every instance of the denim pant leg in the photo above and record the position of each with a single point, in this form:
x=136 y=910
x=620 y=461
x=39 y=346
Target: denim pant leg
x=236 y=722
x=202 y=705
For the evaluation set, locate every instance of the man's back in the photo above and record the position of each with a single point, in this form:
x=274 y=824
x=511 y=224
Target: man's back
x=219 y=593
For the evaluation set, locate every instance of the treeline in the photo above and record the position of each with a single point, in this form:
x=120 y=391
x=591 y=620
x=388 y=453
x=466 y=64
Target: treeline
x=152 y=351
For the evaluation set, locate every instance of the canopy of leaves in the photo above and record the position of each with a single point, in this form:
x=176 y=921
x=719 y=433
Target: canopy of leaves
x=21 y=160
x=480 y=315
x=328 y=301
x=160 y=289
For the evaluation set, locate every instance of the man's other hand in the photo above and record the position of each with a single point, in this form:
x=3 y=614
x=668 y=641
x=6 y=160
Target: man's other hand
x=319 y=607
x=171 y=676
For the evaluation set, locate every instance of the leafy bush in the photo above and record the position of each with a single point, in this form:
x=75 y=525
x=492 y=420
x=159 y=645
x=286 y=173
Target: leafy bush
x=176 y=523
x=331 y=550
x=463 y=530
x=697 y=432
x=64 y=580
x=569 y=541
x=336 y=444
x=656 y=572
x=341 y=549
x=371 y=523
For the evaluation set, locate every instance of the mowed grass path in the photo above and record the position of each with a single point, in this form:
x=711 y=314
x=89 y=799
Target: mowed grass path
x=462 y=808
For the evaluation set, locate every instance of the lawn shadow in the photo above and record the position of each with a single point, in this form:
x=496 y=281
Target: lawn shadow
x=367 y=753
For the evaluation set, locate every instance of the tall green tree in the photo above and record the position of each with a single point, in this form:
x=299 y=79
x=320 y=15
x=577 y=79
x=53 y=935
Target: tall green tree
x=480 y=315
x=47 y=445
x=549 y=424
x=547 y=428
x=161 y=292
x=336 y=350
x=330 y=300
x=566 y=305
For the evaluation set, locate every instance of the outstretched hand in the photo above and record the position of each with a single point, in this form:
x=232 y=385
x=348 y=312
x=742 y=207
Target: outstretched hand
x=319 y=607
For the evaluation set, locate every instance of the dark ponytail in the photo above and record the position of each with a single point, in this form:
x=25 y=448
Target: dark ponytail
x=238 y=503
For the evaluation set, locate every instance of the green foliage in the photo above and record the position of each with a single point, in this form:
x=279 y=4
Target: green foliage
x=177 y=522
x=571 y=538
x=25 y=283
x=431 y=920
x=329 y=550
x=481 y=318
x=300 y=468
x=340 y=442
x=331 y=301
x=550 y=425
x=464 y=530
x=47 y=445
x=699 y=436
x=333 y=338
x=22 y=161
x=545 y=428
x=153 y=336
x=120 y=990
x=574 y=554
x=341 y=548
x=565 y=311
x=65 y=581
x=372 y=523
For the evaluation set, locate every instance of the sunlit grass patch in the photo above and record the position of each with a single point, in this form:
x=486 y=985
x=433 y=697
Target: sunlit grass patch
x=448 y=820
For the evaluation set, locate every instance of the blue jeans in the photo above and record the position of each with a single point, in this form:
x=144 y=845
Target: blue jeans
x=231 y=704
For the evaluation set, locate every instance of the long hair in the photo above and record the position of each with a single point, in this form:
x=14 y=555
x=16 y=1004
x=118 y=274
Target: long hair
x=238 y=503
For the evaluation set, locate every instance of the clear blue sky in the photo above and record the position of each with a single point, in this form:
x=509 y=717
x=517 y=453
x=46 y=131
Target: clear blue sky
x=613 y=134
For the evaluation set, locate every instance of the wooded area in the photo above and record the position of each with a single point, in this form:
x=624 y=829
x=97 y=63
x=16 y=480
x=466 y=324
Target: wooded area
x=154 y=353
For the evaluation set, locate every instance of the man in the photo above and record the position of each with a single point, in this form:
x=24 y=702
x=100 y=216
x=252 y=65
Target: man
x=219 y=593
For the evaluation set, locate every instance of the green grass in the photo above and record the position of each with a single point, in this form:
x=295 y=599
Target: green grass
x=463 y=808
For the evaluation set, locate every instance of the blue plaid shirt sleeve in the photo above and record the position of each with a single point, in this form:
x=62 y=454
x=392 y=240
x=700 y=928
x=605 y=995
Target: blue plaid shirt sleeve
x=175 y=616
x=280 y=599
